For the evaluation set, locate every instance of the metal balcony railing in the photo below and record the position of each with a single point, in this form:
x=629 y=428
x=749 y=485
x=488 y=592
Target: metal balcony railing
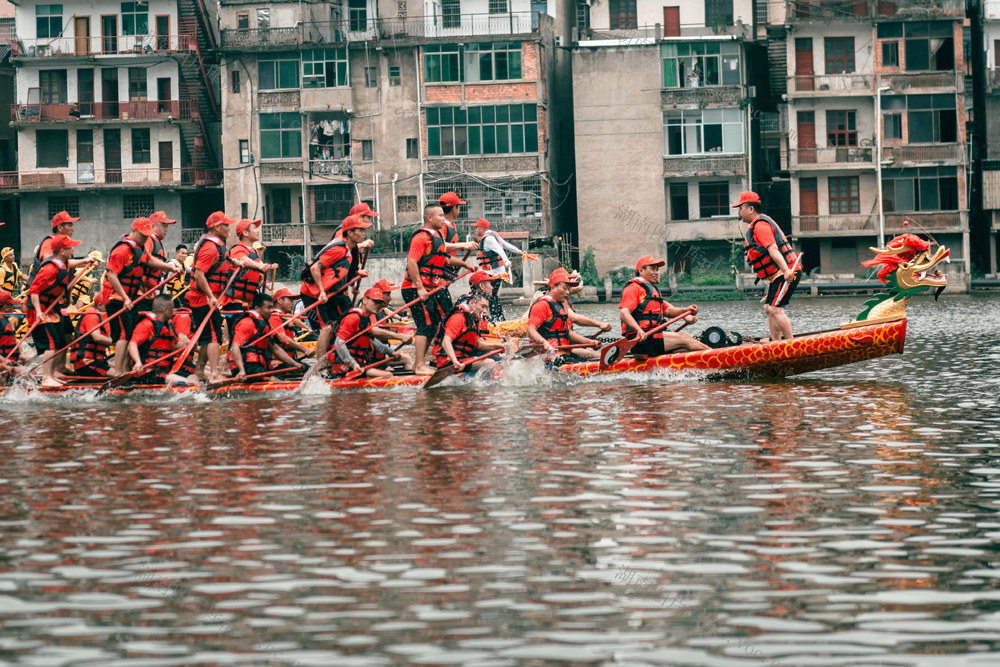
x=950 y=220
x=906 y=81
x=770 y=121
x=833 y=223
x=837 y=84
x=133 y=177
x=141 y=110
x=67 y=46
x=839 y=155
x=331 y=167
x=284 y=234
x=702 y=95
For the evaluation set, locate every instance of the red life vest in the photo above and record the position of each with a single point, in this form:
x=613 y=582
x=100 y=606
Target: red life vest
x=484 y=326
x=345 y=267
x=57 y=289
x=132 y=277
x=162 y=343
x=217 y=274
x=432 y=264
x=36 y=263
x=488 y=259
x=8 y=340
x=466 y=346
x=556 y=328
x=153 y=276
x=257 y=350
x=758 y=257
x=182 y=325
x=247 y=282
x=87 y=350
x=361 y=348
x=649 y=312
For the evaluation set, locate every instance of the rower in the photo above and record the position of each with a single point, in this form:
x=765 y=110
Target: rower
x=156 y=250
x=460 y=339
x=8 y=336
x=251 y=269
x=480 y=283
x=48 y=288
x=549 y=323
x=492 y=258
x=369 y=347
x=284 y=304
x=642 y=308
x=252 y=348
x=331 y=269
x=177 y=284
x=426 y=264
x=62 y=224
x=11 y=276
x=154 y=338
x=89 y=355
x=124 y=281
x=208 y=279
x=367 y=215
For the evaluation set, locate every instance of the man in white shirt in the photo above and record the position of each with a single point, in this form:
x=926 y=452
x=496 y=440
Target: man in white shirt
x=493 y=259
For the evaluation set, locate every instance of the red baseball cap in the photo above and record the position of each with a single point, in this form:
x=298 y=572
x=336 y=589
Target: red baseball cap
x=363 y=209
x=481 y=276
x=284 y=292
x=218 y=218
x=450 y=199
x=647 y=260
x=6 y=298
x=62 y=217
x=161 y=216
x=384 y=285
x=375 y=294
x=242 y=225
x=61 y=242
x=482 y=222
x=747 y=197
x=561 y=275
x=143 y=226
x=354 y=222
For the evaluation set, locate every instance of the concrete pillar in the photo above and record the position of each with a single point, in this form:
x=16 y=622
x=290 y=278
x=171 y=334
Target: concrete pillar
x=608 y=286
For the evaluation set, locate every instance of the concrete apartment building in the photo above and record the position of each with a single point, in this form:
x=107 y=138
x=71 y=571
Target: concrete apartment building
x=328 y=104
x=863 y=75
x=113 y=110
x=988 y=120
x=663 y=100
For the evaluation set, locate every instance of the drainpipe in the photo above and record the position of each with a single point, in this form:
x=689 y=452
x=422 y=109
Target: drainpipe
x=395 y=177
x=420 y=138
x=377 y=207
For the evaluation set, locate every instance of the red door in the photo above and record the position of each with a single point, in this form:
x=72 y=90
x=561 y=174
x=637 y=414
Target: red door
x=808 y=205
x=803 y=63
x=671 y=21
x=807 y=136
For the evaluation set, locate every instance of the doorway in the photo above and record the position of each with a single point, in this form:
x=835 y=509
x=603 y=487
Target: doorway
x=166 y=161
x=163 y=95
x=109 y=92
x=109 y=33
x=112 y=156
x=81 y=28
x=163 y=32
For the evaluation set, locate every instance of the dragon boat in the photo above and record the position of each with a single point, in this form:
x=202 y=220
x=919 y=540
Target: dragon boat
x=905 y=264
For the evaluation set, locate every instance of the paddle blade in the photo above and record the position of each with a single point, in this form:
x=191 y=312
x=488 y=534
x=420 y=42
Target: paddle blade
x=615 y=351
x=440 y=375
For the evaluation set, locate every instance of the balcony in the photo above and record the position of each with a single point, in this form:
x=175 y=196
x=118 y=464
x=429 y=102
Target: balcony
x=281 y=98
x=991 y=10
x=927 y=154
x=908 y=81
x=992 y=79
x=280 y=171
x=704 y=165
x=649 y=34
x=130 y=178
x=935 y=221
x=836 y=225
x=290 y=234
x=331 y=167
x=259 y=38
x=101 y=111
x=701 y=96
x=122 y=45
x=920 y=10
x=832 y=85
x=827 y=11
x=825 y=158
x=484 y=164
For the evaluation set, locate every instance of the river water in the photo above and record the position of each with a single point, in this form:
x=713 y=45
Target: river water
x=843 y=517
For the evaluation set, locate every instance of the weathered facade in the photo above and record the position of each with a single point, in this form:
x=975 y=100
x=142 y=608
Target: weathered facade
x=989 y=122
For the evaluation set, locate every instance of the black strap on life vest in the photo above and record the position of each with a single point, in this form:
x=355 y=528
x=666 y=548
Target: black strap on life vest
x=649 y=312
x=488 y=259
x=86 y=350
x=161 y=344
x=556 y=328
x=217 y=274
x=132 y=276
x=259 y=352
x=247 y=282
x=432 y=265
x=758 y=257
x=55 y=291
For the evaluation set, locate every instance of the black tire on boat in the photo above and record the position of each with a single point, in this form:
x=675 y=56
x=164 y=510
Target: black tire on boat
x=714 y=337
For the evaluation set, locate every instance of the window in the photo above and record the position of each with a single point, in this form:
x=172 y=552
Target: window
x=280 y=135
x=718 y=13
x=136 y=206
x=844 y=195
x=70 y=204
x=442 y=63
x=841 y=128
x=371 y=77
x=931 y=118
x=693 y=132
x=394 y=75
x=929 y=45
x=839 y=55
x=893 y=126
x=244 y=152
x=622 y=14
x=498 y=6
x=366 y=149
x=135 y=18
x=53 y=84
x=137 y=88
x=890 y=54
x=412 y=152
x=141 y=152
x=325 y=68
x=677 y=200
x=236 y=82
x=493 y=61
x=243 y=21
x=451 y=14
x=52 y=148
x=279 y=72
x=713 y=199
x=923 y=189
x=482 y=130
x=583 y=16
x=263 y=18
x=244 y=210
x=700 y=64
x=332 y=203
x=48 y=22
x=357 y=11
x=404 y=204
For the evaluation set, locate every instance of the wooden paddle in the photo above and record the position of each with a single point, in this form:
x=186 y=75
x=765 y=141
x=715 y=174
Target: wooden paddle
x=445 y=372
x=614 y=351
x=784 y=287
x=355 y=373
x=252 y=376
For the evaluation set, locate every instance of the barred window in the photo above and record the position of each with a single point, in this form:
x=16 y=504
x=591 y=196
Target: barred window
x=498 y=6
x=325 y=68
x=451 y=14
x=135 y=206
x=482 y=130
x=406 y=203
x=70 y=204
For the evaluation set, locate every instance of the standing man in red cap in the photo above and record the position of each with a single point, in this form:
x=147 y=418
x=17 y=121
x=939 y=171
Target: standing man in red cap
x=370 y=346
x=62 y=223
x=549 y=323
x=642 y=308
x=154 y=246
x=125 y=280
x=770 y=255
x=252 y=271
x=208 y=278
x=493 y=259
x=451 y=205
x=49 y=287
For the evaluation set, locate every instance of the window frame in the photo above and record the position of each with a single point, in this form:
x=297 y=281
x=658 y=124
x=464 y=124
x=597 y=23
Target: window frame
x=244 y=147
x=937 y=183
x=142 y=154
x=846 y=57
x=692 y=127
x=622 y=15
x=281 y=66
x=721 y=197
x=841 y=128
x=440 y=60
x=51 y=18
x=717 y=64
x=288 y=127
x=137 y=204
x=235 y=82
x=317 y=64
x=502 y=129
x=131 y=19
x=51 y=135
x=845 y=190
x=490 y=57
